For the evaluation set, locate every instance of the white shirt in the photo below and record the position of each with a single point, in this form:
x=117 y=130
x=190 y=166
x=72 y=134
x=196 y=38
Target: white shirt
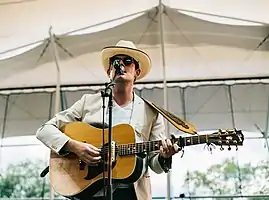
x=121 y=115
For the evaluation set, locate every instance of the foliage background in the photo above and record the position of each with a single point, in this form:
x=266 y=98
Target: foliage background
x=227 y=178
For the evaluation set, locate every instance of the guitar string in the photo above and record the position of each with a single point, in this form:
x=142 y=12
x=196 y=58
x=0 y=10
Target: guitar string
x=141 y=147
x=137 y=147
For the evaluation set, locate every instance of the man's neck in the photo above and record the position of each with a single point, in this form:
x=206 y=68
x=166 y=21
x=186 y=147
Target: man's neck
x=123 y=93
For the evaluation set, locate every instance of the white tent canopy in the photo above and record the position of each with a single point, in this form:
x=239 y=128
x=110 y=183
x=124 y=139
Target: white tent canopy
x=23 y=21
x=194 y=49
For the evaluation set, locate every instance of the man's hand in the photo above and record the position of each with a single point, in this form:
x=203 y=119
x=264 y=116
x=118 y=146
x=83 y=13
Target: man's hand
x=86 y=152
x=167 y=149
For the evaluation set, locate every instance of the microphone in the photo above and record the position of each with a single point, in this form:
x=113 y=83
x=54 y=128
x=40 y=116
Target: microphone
x=118 y=67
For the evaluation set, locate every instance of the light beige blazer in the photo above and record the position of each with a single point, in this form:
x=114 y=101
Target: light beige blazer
x=148 y=124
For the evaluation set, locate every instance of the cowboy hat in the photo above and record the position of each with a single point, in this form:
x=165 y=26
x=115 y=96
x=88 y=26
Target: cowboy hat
x=124 y=47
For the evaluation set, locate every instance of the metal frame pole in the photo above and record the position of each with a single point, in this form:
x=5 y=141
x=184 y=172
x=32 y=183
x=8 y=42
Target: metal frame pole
x=58 y=82
x=3 y=128
x=265 y=135
x=161 y=11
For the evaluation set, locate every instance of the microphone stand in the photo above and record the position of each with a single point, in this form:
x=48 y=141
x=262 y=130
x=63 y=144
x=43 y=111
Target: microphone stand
x=108 y=93
x=119 y=69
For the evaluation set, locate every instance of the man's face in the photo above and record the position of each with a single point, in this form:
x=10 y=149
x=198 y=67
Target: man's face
x=130 y=69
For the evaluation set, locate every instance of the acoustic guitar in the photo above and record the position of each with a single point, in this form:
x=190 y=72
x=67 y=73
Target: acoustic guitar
x=71 y=177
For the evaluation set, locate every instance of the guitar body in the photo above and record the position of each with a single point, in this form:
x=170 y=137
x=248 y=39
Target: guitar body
x=74 y=179
x=70 y=178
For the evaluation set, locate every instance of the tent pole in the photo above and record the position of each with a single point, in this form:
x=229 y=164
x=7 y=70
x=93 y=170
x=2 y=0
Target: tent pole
x=58 y=81
x=161 y=11
x=265 y=135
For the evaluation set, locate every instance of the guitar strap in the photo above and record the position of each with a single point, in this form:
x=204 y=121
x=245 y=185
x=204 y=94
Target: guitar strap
x=174 y=120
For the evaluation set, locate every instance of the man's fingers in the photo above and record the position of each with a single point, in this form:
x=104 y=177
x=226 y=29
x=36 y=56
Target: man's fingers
x=92 y=151
x=92 y=160
x=176 y=147
x=94 y=148
x=164 y=145
x=96 y=159
x=162 y=150
x=169 y=144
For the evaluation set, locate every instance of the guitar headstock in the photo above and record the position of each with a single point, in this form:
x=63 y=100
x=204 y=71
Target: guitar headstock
x=227 y=138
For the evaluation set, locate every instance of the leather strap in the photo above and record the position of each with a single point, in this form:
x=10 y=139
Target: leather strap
x=174 y=120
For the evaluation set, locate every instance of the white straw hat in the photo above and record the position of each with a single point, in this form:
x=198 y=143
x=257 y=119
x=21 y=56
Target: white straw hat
x=127 y=48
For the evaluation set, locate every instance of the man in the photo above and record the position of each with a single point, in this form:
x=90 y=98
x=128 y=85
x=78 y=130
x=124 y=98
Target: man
x=127 y=108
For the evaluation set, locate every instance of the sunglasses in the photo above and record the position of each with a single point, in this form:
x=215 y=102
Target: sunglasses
x=127 y=60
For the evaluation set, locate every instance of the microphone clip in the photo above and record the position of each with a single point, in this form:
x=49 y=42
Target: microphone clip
x=118 y=67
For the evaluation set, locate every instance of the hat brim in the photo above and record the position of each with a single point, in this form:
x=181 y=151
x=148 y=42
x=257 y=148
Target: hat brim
x=141 y=57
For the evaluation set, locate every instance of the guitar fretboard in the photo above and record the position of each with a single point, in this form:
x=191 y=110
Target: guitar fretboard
x=150 y=146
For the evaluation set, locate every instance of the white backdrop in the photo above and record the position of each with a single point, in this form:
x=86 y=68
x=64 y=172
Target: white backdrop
x=208 y=107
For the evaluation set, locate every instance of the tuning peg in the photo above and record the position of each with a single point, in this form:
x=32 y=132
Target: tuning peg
x=229 y=148
x=236 y=147
x=221 y=148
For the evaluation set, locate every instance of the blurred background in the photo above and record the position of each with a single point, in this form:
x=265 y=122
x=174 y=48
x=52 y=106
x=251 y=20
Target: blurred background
x=210 y=67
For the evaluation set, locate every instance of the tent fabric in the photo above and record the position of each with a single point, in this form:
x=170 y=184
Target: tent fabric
x=240 y=12
x=24 y=21
x=209 y=107
x=194 y=49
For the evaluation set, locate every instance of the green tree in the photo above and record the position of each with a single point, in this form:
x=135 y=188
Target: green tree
x=23 y=180
x=228 y=178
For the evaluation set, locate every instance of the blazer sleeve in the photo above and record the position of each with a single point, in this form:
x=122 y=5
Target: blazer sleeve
x=49 y=133
x=157 y=133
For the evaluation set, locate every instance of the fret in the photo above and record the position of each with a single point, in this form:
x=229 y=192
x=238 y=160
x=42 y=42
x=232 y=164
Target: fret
x=188 y=141
x=149 y=146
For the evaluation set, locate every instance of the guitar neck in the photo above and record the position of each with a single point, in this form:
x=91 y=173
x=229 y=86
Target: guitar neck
x=150 y=146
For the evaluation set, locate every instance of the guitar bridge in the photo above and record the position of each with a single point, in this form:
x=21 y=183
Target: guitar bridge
x=105 y=150
x=113 y=151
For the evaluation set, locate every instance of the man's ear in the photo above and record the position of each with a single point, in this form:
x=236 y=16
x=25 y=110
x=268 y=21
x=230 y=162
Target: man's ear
x=108 y=71
x=137 y=72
